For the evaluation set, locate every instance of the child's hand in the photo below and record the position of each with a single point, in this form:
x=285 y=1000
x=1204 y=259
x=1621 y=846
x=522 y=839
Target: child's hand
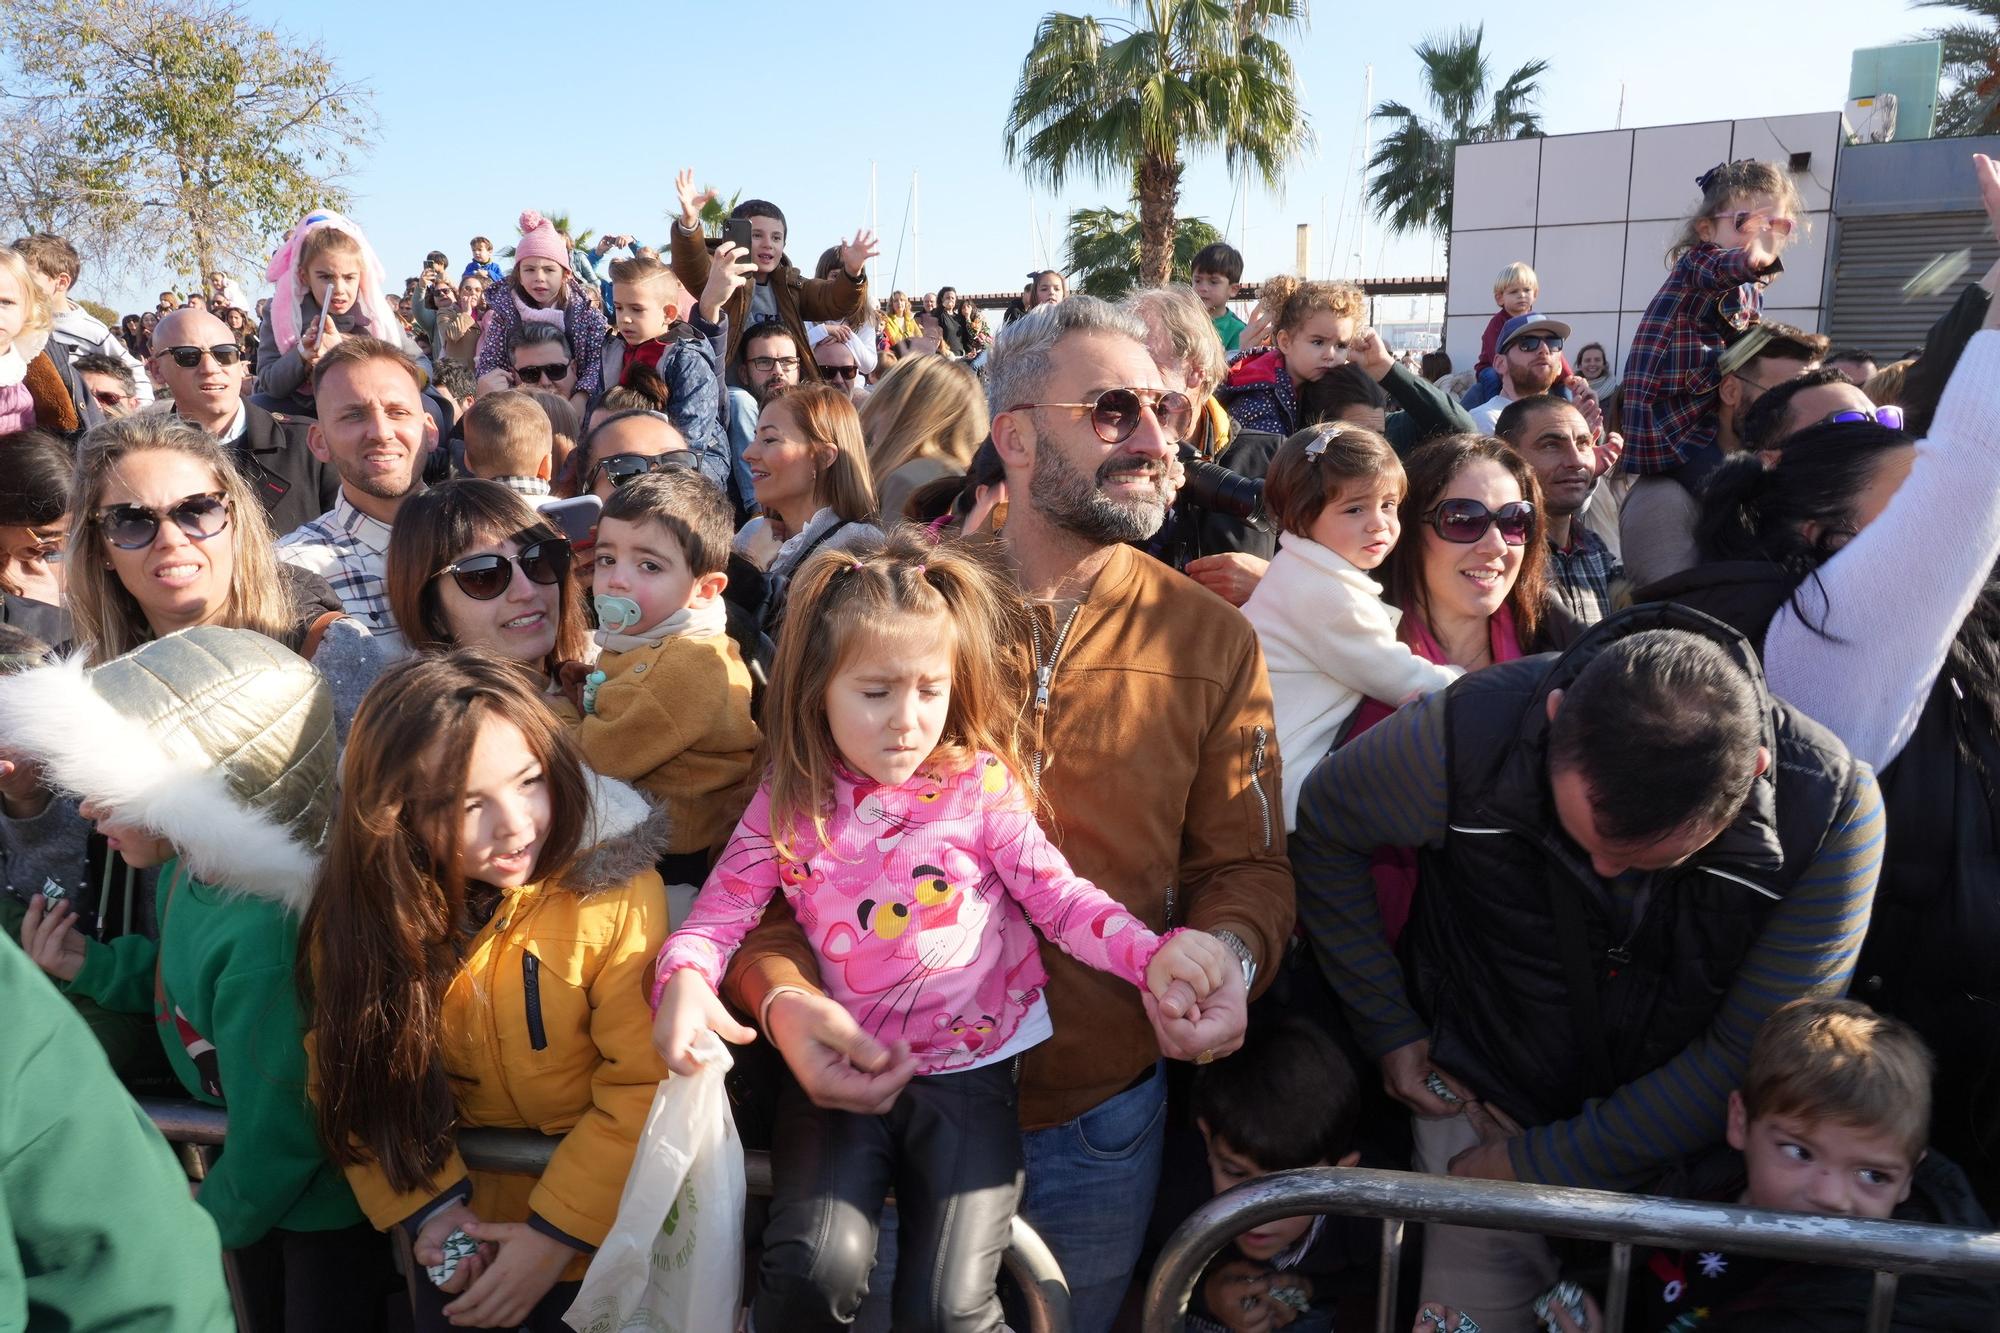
x=857 y=251
x=50 y=937
x=1593 y=1316
x=1257 y=333
x=1437 y=1317
x=691 y=198
x=1186 y=968
x=728 y=268
x=1585 y=398
x=569 y=679
x=1609 y=450
x=687 y=1009
x=428 y=1247
x=1367 y=350
x=527 y=1265
x=1238 y=1296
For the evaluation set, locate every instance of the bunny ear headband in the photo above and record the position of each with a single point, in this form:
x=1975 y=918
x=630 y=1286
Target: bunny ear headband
x=287 y=301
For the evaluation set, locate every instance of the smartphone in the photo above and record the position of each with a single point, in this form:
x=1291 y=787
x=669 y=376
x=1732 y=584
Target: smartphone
x=577 y=517
x=326 y=310
x=737 y=233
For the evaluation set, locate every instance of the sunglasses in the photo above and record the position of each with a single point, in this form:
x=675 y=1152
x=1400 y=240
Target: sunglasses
x=135 y=527
x=1115 y=414
x=1535 y=342
x=552 y=374
x=1743 y=217
x=1464 y=522
x=484 y=577
x=1892 y=417
x=187 y=358
x=840 y=372
x=107 y=398
x=621 y=468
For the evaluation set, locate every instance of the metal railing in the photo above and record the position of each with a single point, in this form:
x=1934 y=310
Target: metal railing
x=1044 y=1291
x=1626 y=1220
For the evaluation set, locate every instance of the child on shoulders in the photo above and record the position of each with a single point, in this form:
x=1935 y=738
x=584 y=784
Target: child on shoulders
x=1315 y=326
x=652 y=350
x=1218 y=270
x=541 y=290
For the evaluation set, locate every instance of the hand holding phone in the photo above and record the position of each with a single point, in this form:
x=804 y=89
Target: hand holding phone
x=737 y=232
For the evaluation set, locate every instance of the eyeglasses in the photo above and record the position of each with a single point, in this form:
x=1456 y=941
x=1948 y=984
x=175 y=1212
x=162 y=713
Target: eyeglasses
x=841 y=372
x=484 y=577
x=1743 y=217
x=1465 y=521
x=109 y=397
x=553 y=373
x=1892 y=417
x=136 y=527
x=621 y=468
x=1115 y=414
x=766 y=364
x=1535 y=342
x=187 y=358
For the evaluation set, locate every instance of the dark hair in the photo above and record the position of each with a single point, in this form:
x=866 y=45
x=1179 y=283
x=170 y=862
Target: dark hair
x=1762 y=423
x=1512 y=422
x=453 y=379
x=1786 y=341
x=1435 y=365
x=478 y=241
x=1285 y=1098
x=1298 y=487
x=1220 y=258
x=1663 y=727
x=1325 y=398
x=37 y=472
x=760 y=208
x=580 y=456
x=97 y=363
x=534 y=334
x=50 y=256
x=1848 y=354
x=1430 y=468
x=769 y=329
x=691 y=508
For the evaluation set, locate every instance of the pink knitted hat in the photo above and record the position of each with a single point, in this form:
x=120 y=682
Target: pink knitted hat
x=539 y=241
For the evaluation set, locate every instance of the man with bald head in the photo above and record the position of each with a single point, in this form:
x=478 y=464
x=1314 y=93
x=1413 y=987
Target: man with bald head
x=196 y=357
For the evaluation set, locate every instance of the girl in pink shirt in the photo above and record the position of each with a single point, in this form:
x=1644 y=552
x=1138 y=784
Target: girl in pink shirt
x=894 y=823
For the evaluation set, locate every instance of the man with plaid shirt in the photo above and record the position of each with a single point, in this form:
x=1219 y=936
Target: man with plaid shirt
x=1557 y=444
x=374 y=431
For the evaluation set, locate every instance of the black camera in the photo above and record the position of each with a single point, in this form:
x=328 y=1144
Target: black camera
x=1215 y=488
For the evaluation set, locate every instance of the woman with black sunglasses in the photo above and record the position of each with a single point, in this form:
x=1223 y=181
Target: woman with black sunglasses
x=472 y=565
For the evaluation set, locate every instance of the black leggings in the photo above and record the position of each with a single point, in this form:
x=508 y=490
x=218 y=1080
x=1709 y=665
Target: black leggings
x=950 y=1148
x=546 y=1317
x=318 y=1281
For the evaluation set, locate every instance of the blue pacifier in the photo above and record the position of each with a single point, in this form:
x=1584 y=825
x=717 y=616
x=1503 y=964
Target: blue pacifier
x=616 y=614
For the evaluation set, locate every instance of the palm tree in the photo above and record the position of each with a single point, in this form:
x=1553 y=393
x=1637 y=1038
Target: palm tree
x=1122 y=99
x=1410 y=173
x=1104 y=249
x=715 y=213
x=1971 y=64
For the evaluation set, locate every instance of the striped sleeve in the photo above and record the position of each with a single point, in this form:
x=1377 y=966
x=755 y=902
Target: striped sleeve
x=1385 y=788
x=1808 y=948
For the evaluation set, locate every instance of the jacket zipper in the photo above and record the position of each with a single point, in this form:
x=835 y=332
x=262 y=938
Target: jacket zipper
x=1259 y=735
x=1045 y=674
x=531 y=986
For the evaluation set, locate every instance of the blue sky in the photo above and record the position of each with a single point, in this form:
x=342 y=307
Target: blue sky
x=488 y=108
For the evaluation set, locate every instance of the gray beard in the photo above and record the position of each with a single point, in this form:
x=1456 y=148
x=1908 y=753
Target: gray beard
x=1066 y=498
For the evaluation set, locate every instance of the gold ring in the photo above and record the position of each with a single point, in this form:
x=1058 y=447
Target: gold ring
x=1206 y=1057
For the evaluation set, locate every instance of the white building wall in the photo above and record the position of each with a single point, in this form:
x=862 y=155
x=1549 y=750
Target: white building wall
x=1594 y=214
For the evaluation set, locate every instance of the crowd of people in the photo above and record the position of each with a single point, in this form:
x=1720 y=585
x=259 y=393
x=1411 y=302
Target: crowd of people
x=1086 y=762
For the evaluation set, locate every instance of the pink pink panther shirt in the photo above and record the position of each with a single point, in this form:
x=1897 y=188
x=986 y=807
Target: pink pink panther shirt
x=918 y=906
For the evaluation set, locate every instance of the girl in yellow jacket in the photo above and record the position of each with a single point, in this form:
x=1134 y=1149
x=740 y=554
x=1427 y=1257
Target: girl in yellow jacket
x=478 y=952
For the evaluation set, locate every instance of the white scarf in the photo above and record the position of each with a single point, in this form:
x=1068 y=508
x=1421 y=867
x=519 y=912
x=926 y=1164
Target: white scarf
x=13 y=367
x=687 y=623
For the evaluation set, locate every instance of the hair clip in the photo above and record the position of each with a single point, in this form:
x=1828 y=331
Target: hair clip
x=1707 y=178
x=920 y=569
x=854 y=567
x=1326 y=436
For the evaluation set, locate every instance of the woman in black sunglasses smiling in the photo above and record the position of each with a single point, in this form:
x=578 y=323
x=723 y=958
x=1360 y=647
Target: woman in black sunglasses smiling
x=472 y=565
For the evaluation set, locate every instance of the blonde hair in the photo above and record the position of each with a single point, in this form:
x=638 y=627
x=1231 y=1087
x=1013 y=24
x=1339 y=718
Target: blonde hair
x=646 y=270
x=507 y=434
x=37 y=315
x=324 y=241
x=927 y=407
x=1885 y=387
x=108 y=619
x=826 y=417
x=839 y=597
x=1841 y=1061
x=1728 y=182
x=1273 y=292
x=1516 y=274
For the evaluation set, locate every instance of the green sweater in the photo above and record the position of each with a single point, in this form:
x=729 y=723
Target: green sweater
x=229 y=1019
x=100 y=1232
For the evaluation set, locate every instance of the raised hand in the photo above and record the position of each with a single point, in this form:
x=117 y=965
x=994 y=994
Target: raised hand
x=691 y=198
x=728 y=268
x=856 y=251
x=1367 y=350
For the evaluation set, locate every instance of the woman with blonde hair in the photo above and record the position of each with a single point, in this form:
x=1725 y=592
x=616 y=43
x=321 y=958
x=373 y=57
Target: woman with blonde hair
x=924 y=421
x=809 y=469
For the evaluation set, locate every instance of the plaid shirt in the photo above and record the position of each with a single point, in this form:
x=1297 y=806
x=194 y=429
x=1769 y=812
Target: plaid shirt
x=1582 y=576
x=533 y=487
x=1670 y=381
x=349 y=550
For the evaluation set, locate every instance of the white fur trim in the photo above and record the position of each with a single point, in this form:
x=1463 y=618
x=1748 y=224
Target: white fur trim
x=90 y=749
x=616 y=810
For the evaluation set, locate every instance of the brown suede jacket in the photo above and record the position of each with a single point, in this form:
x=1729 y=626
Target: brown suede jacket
x=799 y=298
x=1160 y=768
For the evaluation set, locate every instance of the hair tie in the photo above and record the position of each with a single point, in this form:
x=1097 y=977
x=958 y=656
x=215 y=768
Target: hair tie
x=854 y=568
x=1707 y=178
x=920 y=569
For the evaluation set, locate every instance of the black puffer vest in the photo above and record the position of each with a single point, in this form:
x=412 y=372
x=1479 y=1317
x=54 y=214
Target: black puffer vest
x=1541 y=988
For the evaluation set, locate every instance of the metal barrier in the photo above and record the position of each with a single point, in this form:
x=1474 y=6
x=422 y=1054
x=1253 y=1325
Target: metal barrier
x=1399 y=1197
x=1028 y=1259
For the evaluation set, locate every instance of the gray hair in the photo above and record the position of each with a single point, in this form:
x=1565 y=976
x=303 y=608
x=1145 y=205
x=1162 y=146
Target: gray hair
x=1177 y=312
x=1023 y=356
x=535 y=334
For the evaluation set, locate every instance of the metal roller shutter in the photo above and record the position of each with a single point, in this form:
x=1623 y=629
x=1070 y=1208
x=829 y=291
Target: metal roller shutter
x=1877 y=255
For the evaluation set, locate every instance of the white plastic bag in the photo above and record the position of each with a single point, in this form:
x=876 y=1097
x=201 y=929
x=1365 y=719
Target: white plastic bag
x=673 y=1262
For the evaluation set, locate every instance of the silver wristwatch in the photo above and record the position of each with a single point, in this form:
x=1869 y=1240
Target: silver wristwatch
x=1243 y=955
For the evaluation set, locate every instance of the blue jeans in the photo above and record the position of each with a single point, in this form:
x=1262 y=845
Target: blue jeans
x=1090 y=1193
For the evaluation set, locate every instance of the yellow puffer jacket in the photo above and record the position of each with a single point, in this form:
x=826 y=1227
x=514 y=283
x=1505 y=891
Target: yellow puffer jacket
x=547 y=1027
